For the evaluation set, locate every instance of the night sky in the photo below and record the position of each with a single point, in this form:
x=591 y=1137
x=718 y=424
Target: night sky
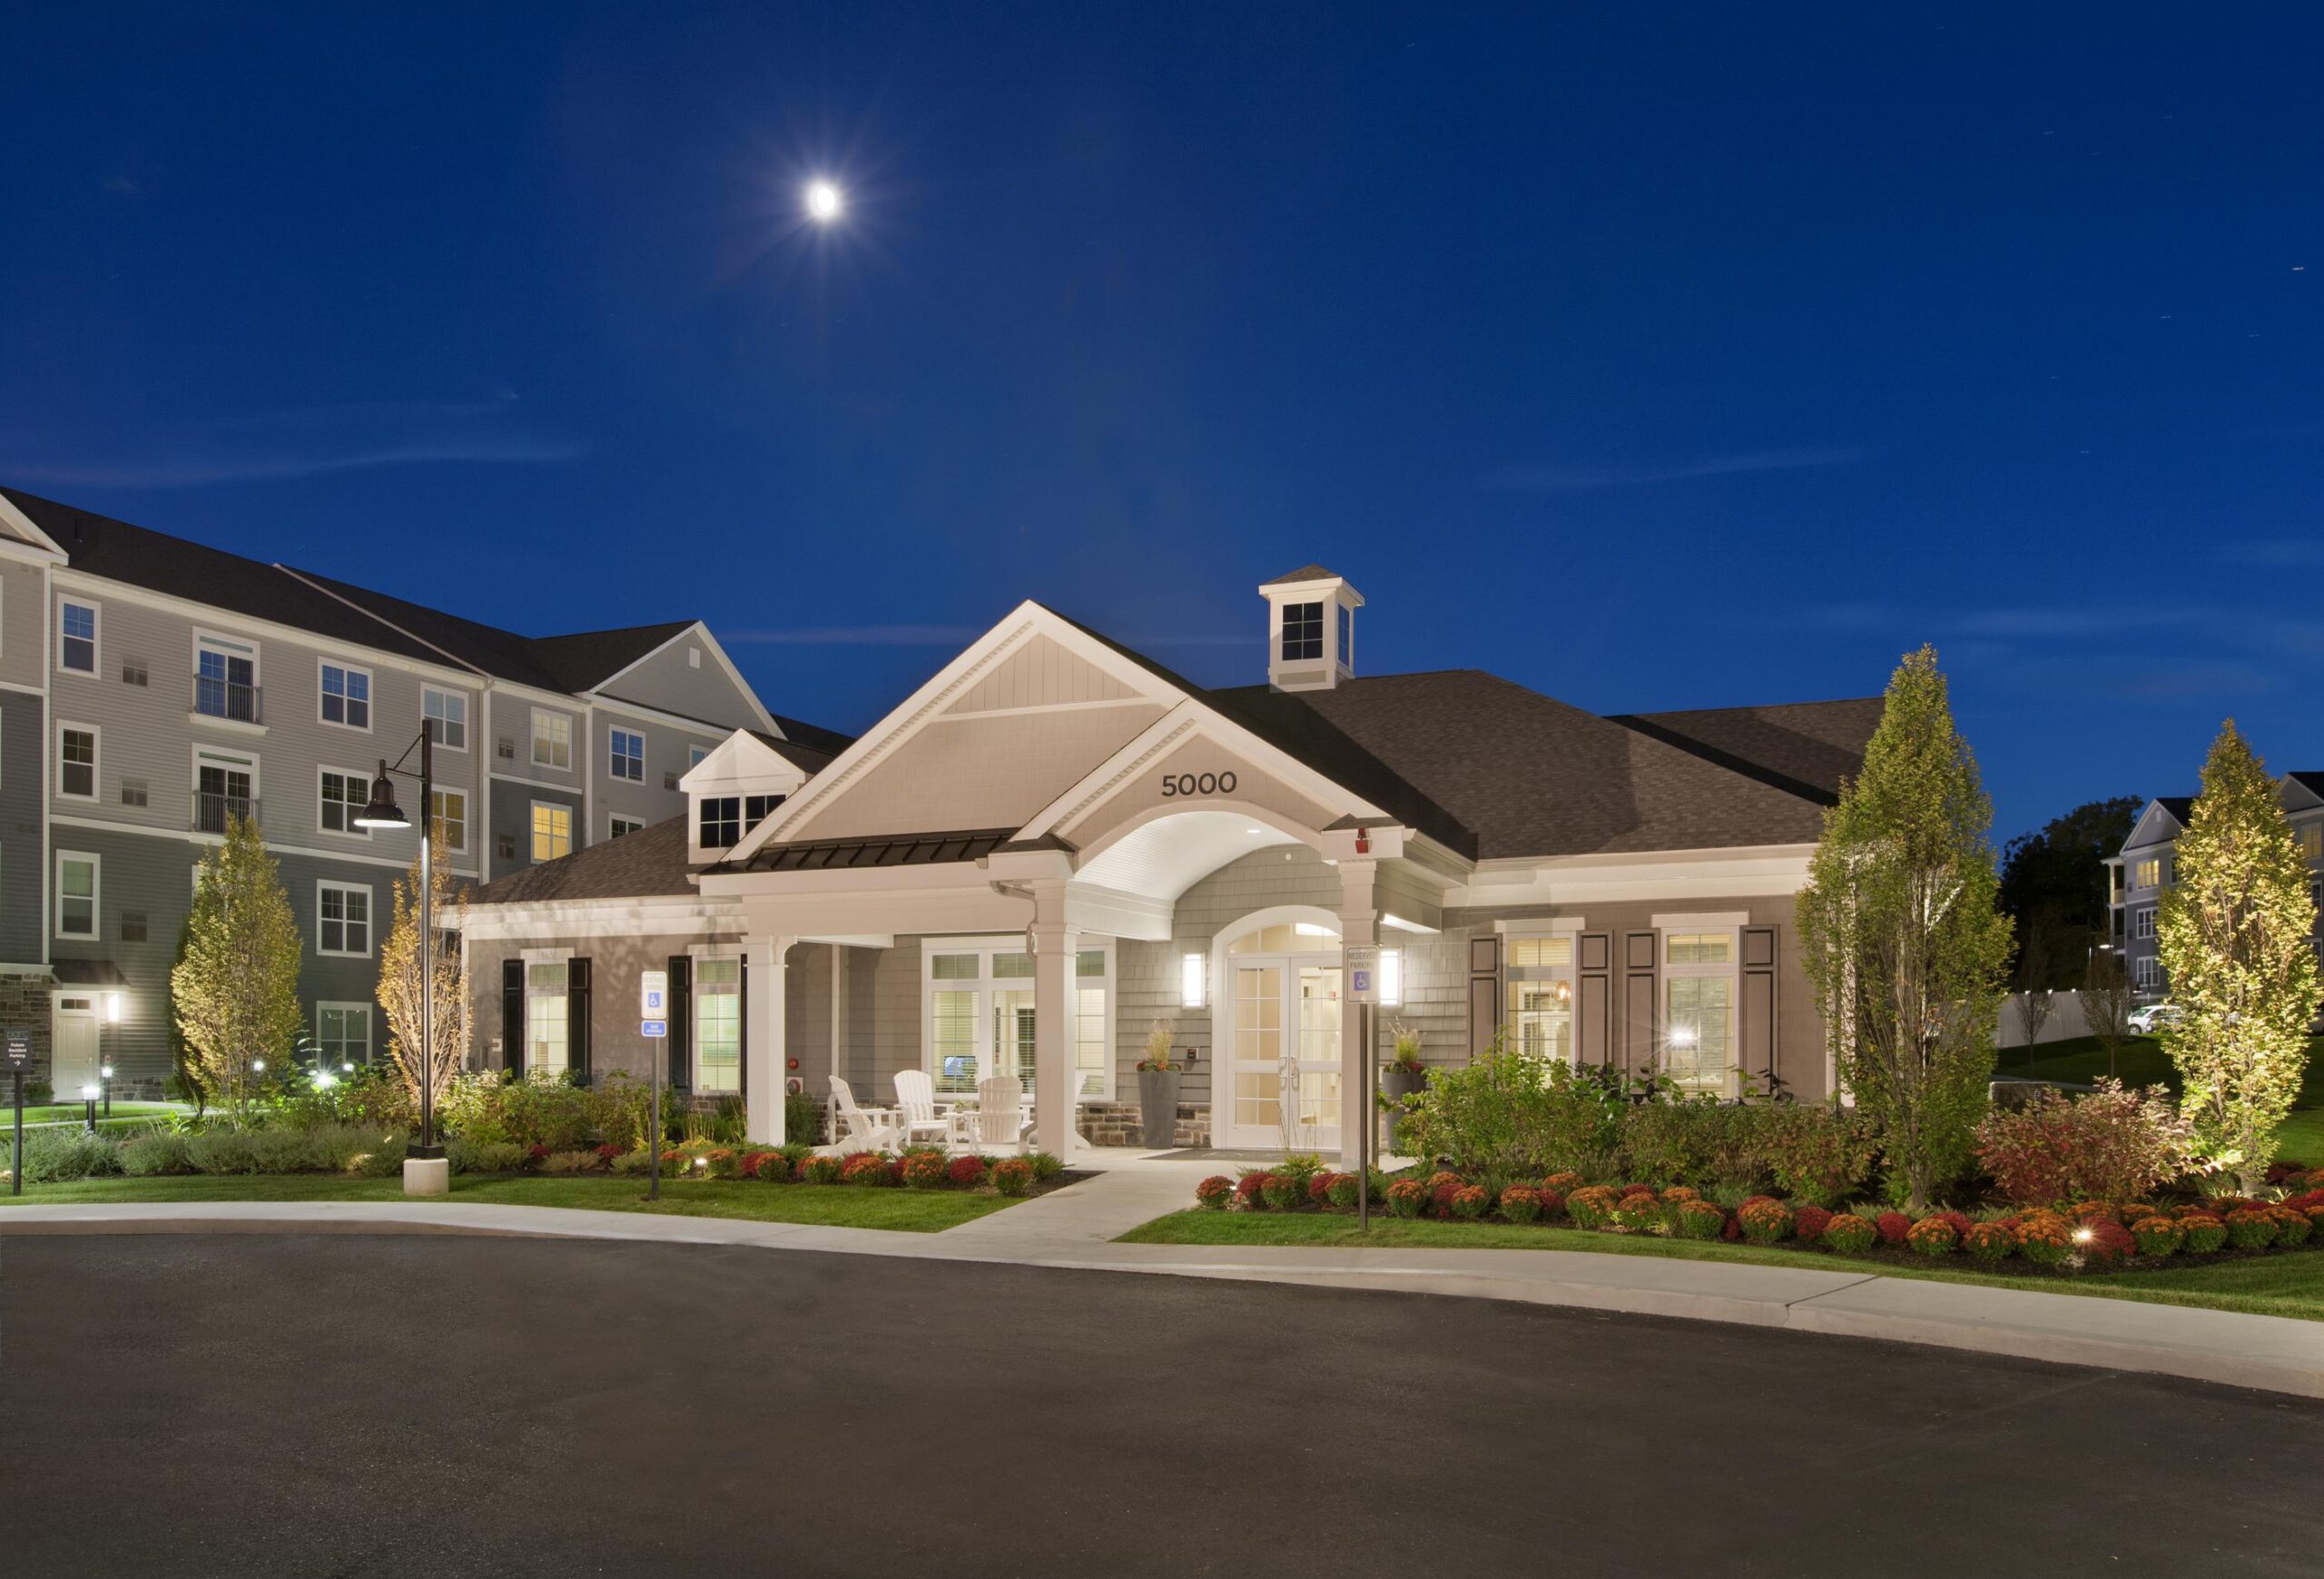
x=1656 y=357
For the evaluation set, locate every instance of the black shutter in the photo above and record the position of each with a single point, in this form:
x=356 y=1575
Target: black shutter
x=681 y=1073
x=742 y=1021
x=512 y=1016
x=1485 y=994
x=1758 y=1047
x=1594 y=994
x=1641 y=951
x=577 y=1019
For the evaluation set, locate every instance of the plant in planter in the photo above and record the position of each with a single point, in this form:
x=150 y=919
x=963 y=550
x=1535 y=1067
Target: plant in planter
x=1159 y=1074
x=1403 y=1076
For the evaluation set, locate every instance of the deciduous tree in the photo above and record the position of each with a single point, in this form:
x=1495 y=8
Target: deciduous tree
x=1903 y=942
x=235 y=990
x=407 y=970
x=2233 y=932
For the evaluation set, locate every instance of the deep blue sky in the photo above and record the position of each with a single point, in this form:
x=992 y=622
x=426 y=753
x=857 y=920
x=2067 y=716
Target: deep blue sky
x=1656 y=357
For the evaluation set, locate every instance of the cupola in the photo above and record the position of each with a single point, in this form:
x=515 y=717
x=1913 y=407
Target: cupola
x=1311 y=629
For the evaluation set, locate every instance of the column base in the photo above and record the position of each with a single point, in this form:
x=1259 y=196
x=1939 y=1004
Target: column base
x=427 y=1176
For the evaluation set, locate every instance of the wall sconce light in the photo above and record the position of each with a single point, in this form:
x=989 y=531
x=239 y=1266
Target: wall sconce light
x=1194 y=974
x=1391 y=978
x=112 y=1009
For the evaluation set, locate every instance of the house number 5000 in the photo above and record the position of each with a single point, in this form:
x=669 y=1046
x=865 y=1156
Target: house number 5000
x=1198 y=784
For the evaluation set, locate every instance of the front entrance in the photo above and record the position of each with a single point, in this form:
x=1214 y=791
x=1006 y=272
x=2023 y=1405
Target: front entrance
x=1282 y=1065
x=75 y=1063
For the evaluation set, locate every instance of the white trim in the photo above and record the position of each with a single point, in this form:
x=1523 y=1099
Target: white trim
x=96 y=932
x=613 y=776
x=42 y=546
x=371 y=918
x=351 y=830
x=1702 y=921
x=539 y=783
x=273 y=846
x=96 y=669
x=738 y=950
x=23 y=690
x=1223 y=999
x=984 y=946
x=701 y=632
x=534 y=735
x=636 y=825
x=468 y=814
x=467 y=713
x=532 y=832
x=371 y=693
x=96 y=761
x=1541 y=927
x=343 y=1004
x=228 y=757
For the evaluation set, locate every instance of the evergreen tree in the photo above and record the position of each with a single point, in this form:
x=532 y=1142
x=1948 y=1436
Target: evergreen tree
x=400 y=990
x=235 y=992
x=2233 y=934
x=1901 y=940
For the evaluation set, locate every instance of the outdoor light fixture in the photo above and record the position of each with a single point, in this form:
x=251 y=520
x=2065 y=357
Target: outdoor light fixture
x=257 y=1066
x=325 y=1079
x=106 y=1071
x=112 y=1009
x=88 y=1093
x=1192 y=977
x=1391 y=978
x=1682 y=1036
x=382 y=812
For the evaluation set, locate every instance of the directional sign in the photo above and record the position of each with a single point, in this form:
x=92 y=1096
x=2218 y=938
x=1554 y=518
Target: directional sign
x=654 y=1027
x=652 y=996
x=17 y=1047
x=1362 y=962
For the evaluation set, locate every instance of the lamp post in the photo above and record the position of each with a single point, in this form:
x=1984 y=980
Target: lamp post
x=424 y=1171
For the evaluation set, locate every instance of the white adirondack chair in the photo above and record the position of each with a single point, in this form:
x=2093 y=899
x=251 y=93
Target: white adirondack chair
x=916 y=1108
x=852 y=1122
x=999 y=1118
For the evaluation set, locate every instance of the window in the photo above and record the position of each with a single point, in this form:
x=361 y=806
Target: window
x=76 y=637
x=505 y=749
x=342 y=1033
x=132 y=672
x=978 y=994
x=552 y=830
x=620 y=825
x=448 y=815
x=552 y=740
x=342 y=919
x=224 y=787
x=720 y=822
x=2143 y=921
x=136 y=792
x=347 y=696
x=449 y=710
x=1699 y=989
x=718 y=1025
x=1540 y=975
x=225 y=679
x=76 y=762
x=626 y=755
x=345 y=794
x=133 y=926
x=1303 y=630
x=2147 y=873
x=2150 y=972
x=1347 y=636
x=504 y=846
x=76 y=894
x=694 y=754
x=546 y=1025
x=2311 y=840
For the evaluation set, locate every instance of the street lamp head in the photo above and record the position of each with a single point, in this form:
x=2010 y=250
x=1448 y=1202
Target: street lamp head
x=381 y=811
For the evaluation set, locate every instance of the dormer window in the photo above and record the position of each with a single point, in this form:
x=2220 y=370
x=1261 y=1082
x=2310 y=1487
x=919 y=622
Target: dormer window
x=734 y=788
x=724 y=819
x=1303 y=631
x=1311 y=629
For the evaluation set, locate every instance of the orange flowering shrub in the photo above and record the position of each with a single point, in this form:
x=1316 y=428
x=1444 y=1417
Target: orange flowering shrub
x=2292 y=1227
x=1679 y=1192
x=1698 y=1219
x=2249 y=1228
x=1592 y=1207
x=1763 y=1221
x=1563 y=1183
x=1408 y=1197
x=1642 y=1213
x=1472 y=1201
x=2157 y=1236
x=1850 y=1234
x=1521 y=1204
x=1990 y=1241
x=2045 y=1238
x=1932 y=1236
x=2206 y=1232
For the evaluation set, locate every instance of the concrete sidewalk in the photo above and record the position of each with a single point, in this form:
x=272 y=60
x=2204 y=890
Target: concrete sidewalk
x=1074 y=1228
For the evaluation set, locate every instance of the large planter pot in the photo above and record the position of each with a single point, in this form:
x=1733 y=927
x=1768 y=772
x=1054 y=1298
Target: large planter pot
x=1396 y=1084
x=1158 y=1102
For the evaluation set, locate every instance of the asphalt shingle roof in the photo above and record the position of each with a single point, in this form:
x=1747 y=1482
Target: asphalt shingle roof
x=1305 y=573
x=648 y=863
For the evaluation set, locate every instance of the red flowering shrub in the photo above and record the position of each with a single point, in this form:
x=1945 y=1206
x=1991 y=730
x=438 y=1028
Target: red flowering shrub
x=2111 y=1144
x=1990 y=1241
x=1250 y=1191
x=537 y=1151
x=2206 y=1232
x=1319 y=1189
x=2249 y=1228
x=1642 y=1212
x=1552 y=1199
x=2283 y=1168
x=1472 y=1201
x=1957 y=1220
x=1698 y=1219
x=1408 y=1197
x=1345 y=1191
x=2045 y=1238
x=1734 y=1228
x=1808 y=1223
x=608 y=1151
x=1850 y=1234
x=1012 y=1176
x=924 y=1170
x=1591 y=1208
x=1638 y=1189
x=2105 y=1243
x=1212 y=1194
x=772 y=1165
x=868 y=1168
x=1521 y=1204
x=967 y=1172
x=2157 y=1236
x=1562 y=1183
x=1892 y=1227
x=1284 y=1192
x=1763 y=1221
x=1442 y=1188
x=820 y=1170
x=1934 y=1235
x=2305 y=1201
x=2292 y=1227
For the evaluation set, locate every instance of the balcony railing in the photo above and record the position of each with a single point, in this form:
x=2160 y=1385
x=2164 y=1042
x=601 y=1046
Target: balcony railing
x=211 y=812
x=228 y=699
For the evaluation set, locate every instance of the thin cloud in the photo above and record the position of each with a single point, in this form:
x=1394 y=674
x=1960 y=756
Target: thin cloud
x=288 y=444
x=1561 y=479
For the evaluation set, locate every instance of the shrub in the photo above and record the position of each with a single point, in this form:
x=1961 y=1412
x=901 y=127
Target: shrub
x=57 y=1156
x=2105 y=1243
x=1285 y=1192
x=156 y=1152
x=1471 y=1202
x=1562 y=1183
x=772 y=1166
x=273 y=1150
x=1212 y=1194
x=570 y=1162
x=924 y=1170
x=1816 y=1153
x=1680 y=1192
x=1893 y=1226
x=1346 y=1190
x=1808 y=1222
x=1990 y=1241
x=2111 y=1144
x=2292 y=1227
x=2206 y=1233
x=1012 y=1175
x=468 y=1156
x=2251 y=1228
x=2090 y=1211
x=2157 y=1236
x=868 y=1168
x=1520 y=1204
x=820 y=1170
x=1699 y=1220
x=1934 y=1236
x=1850 y=1234
x=1407 y=1198
x=1642 y=1212
x=1552 y=1201
x=1591 y=1208
x=222 y=1151
x=1319 y=1189
x=1764 y=1221
x=2045 y=1238
x=1513 y=1114
x=1045 y=1166
x=1250 y=1191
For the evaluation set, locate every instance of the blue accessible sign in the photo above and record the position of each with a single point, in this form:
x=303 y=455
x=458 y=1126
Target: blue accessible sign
x=653 y=1027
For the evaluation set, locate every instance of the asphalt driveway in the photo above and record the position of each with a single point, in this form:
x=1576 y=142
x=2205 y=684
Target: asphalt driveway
x=303 y=1405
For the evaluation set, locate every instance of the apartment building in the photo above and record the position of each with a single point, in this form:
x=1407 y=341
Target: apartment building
x=2146 y=865
x=152 y=688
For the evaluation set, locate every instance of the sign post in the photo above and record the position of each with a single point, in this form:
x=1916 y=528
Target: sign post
x=16 y=1057
x=653 y=1024
x=1362 y=962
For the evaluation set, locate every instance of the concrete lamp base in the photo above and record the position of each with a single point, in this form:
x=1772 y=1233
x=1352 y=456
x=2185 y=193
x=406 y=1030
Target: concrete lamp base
x=427 y=1176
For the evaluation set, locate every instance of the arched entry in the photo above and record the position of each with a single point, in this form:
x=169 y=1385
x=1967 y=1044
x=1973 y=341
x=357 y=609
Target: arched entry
x=1276 y=1023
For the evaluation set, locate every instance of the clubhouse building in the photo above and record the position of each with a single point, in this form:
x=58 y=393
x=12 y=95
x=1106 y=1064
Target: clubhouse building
x=1056 y=844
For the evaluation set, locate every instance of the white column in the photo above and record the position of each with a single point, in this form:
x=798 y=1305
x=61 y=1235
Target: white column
x=762 y=1052
x=1056 y=947
x=1359 y=923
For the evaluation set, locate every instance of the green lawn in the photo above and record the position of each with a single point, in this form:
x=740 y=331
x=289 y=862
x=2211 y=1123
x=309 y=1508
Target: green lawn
x=73 y=1112
x=925 y=1211
x=2287 y=1283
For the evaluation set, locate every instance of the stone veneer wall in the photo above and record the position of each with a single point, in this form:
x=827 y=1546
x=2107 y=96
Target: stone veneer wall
x=24 y=1001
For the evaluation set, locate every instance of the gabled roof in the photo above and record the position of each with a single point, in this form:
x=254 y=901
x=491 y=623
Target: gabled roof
x=588 y=658
x=501 y=654
x=2313 y=783
x=1305 y=573
x=1805 y=747
x=650 y=863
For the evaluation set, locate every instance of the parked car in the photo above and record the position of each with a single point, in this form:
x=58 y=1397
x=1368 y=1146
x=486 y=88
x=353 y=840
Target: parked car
x=2150 y=1017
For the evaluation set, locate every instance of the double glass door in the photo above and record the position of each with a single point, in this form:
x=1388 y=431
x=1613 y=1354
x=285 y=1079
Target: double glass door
x=1284 y=1080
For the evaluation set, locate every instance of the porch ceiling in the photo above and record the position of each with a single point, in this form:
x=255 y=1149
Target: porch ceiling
x=1163 y=858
